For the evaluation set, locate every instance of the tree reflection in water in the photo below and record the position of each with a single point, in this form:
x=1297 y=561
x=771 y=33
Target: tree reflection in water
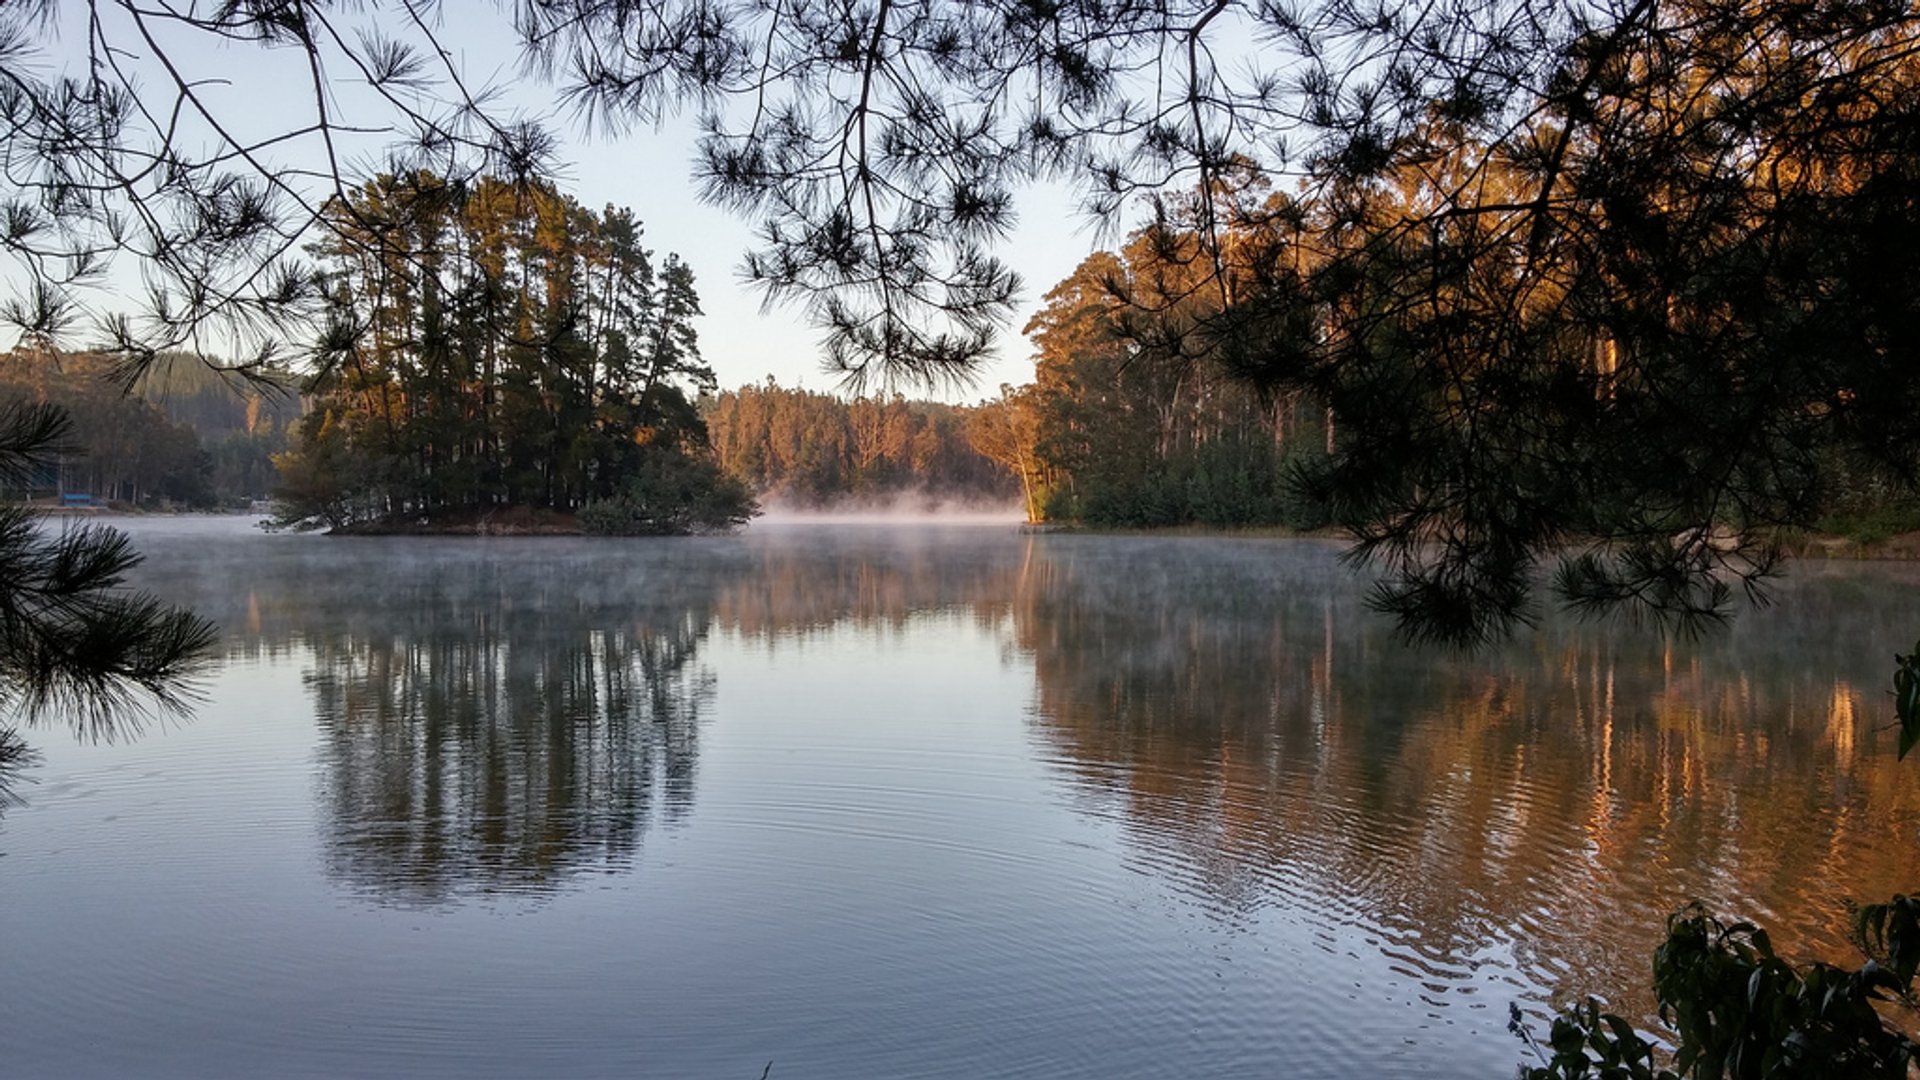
x=489 y=727
x=507 y=717
x=1267 y=743
x=502 y=760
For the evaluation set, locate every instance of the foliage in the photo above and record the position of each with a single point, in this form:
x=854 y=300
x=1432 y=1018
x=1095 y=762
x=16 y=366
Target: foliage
x=1231 y=482
x=1736 y=1010
x=129 y=132
x=884 y=142
x=491 y=345
x=1127 y=429
x=1874 y=524
x=1906 y=698
x=1005 y=430
x=325 y=483
x=15 y=756
x=74 y=644
x=816 y=449
x=1739 y=1012
x=672 y=495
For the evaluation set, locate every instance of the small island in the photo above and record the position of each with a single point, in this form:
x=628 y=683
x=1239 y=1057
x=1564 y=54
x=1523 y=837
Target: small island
x=498 y=358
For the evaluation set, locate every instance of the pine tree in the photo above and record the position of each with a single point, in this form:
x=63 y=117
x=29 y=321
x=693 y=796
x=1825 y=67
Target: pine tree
x=75 y=646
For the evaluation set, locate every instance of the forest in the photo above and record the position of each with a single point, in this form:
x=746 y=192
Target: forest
x=813 y=449
x=185 y=437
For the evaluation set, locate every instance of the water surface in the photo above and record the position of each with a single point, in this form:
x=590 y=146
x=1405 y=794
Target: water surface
x=902 y=801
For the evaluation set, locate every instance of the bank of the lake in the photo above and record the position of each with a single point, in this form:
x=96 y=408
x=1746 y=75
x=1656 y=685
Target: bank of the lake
x=1799 y=544
x=1903 y=547
x=503 y=521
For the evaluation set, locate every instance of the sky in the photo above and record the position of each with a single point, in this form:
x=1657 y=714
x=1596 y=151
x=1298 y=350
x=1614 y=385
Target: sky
x=649 y=170
x=744 y=343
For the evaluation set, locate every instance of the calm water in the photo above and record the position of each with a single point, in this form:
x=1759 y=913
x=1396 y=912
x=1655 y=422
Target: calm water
x=893 y=802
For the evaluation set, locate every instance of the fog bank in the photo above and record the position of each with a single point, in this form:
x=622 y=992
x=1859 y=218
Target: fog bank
x=905 y=508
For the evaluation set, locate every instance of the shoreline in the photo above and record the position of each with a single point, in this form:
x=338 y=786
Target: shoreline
x=489 y=526
x=1813 y=547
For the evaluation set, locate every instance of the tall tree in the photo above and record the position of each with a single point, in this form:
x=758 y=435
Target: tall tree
x=1005 y=430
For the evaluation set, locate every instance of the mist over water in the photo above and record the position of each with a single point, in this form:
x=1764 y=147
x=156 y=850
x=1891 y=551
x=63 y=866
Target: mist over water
x=937 y=799
x=894 y=508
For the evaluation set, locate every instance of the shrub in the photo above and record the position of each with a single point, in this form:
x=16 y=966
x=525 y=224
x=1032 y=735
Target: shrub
x=672 y=494
x=1735 y=1010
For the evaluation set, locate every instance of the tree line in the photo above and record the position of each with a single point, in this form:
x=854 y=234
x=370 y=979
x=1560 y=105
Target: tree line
x=815 y=449
x=186 y=436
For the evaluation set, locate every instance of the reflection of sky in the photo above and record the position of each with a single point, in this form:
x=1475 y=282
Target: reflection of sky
x=962 y=805
x=879 y=876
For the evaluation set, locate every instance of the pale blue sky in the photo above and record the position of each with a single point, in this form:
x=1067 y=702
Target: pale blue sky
x=258 y=92
x=650 y=171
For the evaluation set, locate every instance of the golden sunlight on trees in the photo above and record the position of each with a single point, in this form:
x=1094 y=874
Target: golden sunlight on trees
x=1006 y=429
x=815 y=450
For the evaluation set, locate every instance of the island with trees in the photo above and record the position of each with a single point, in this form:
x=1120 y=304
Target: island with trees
x=497 y=357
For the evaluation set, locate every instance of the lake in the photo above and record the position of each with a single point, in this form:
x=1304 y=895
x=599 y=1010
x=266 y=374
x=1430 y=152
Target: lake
x=914 y=801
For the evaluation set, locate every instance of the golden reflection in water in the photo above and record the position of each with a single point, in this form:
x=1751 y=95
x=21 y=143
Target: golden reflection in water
x=1552 y=801
x=1263 y=742
x=1269 y=742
